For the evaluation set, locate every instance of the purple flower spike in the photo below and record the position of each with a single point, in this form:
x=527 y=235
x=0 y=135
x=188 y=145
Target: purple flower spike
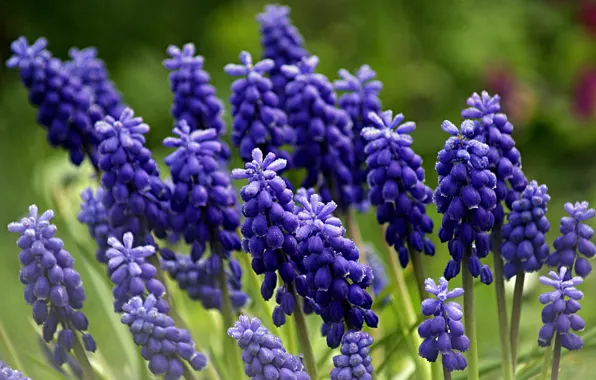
x=574 y=247
x=259 y=121
x=94 y=215
x=355 y=361
x=7 y=373
x=504 y=160
x=396 y=181
x=524 y=247
x=53 y=287
x=444 y=333
x=559 y=313
x=335 y=279
x=264 y=354
x=466 y=198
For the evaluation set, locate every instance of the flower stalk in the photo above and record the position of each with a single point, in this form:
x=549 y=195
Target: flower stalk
x=516 y=315
x=303 y=336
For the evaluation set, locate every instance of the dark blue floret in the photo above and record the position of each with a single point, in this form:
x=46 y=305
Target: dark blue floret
x=259 y=121
x=524 y=248
x=504 y=160
x=335 y=279
x=360 y=97
x=355 y=361
x=64 y=104
x=94 y=215
x=559 y=313
x=281 y=42
x=574 y=247
x=466 y=199
x=53 y=287
x=323 y=138
x=444 y=332
x=396 y=180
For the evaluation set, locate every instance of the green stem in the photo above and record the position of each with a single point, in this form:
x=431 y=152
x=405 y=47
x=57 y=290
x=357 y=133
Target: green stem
x=302 y=330
x=437 y=370
x=13 y=358
x=469 y=317
x=231 y=349
x=416 y=258
x=407 y=313
x=554 y=374
x=446 y=374
x=502 y=306
x=516 y=315
x=81 y=355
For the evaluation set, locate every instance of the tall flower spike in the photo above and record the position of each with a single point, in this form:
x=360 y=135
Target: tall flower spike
x=7 y=373
x=53 y=287
x=466 y=198
x=354 y=361
x=63 y=102
x=360 y=97
x=323 y=139
x=194 y=97
x=525 y=248
x=269 y=231
x=94 y=215
x=336 y=280
x=203 y=203
x=263 y=353
x=134 y=196
x=281 y=42
x=504 y=160
x=258 y=118
x=396 y=181
x=559 y=313
x=93 y=74
x=574 y=247
x=163 y=345
x=444 y=333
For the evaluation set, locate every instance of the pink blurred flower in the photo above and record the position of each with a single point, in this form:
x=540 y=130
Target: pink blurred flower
x=584 y=93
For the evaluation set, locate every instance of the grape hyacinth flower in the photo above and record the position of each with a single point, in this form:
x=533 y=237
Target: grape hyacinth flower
x=360 y=97
x=396 y=181
x=281 y=42
x=504 y=160
x=444 y=333
x=336 y=281
x=163 y=345
x=93 y=214
x=203 y=203
x=258 y=118
x=574 y=247
x=194 y=97
x=559 y=313
x=134 y=196
x=7 y=373
x=93 y=74
x=354 y=361
x=466 y=198
x=63 y=102
x=199 y=283
x=52 y=286
x=263 y=353
x=323 y=139
x=525 y=248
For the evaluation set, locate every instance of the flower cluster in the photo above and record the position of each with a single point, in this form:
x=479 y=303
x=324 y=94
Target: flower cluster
x=444 y=333
x=360 y=97
x=7 y=373
x=574 y=247
x=336 y=281
x=94 y=215
x=263 y=353
x=62 y=100
x=163 y=345
x=558 y=314
x=466 y=198
x=258 y=118
x=92 y=72
x=354 y=361
x=200 y=284
x=323 y=140
x=203 y=202
x=269 y=230
x=53 y=287
x=134 y=196
x=525 y=248
x=396 y=181
x=281 y=43
x=194 y=97
x=504 y=160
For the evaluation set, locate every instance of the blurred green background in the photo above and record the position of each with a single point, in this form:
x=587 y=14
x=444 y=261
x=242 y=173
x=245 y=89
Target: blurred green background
x=539 y=55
